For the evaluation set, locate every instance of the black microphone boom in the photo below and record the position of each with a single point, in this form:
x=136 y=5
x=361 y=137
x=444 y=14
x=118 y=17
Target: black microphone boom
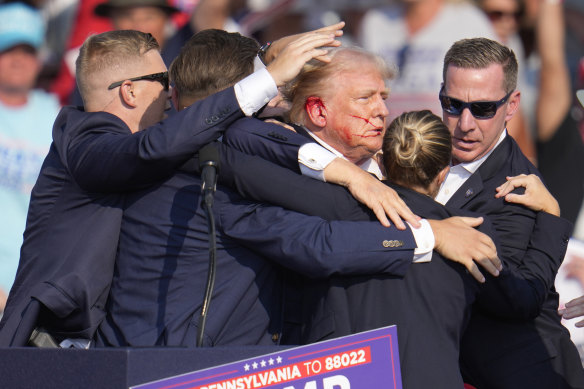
x=209 y=164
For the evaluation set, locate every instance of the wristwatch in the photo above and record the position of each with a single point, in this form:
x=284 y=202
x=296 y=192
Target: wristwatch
x=262 y=52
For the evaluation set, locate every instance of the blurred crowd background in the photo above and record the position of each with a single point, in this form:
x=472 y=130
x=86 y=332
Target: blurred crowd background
x=39 y=40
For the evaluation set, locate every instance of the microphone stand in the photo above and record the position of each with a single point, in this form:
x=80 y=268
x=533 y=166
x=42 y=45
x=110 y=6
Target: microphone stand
x=209 y=160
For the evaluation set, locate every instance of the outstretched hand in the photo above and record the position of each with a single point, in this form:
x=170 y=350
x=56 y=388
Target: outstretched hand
x=457 y=240
x=368 y=190
x=536 y=196
x=300 y=50
x=277 y=46
x=574 y=308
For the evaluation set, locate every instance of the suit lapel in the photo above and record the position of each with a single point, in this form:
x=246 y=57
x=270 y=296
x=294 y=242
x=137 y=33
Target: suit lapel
x=474 y=184
x=468 y=190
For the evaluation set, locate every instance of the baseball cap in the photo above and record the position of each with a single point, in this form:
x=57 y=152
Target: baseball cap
x=106 y=9
x=20 y=24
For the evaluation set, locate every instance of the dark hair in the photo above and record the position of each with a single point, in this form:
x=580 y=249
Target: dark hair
x=416 y=147
x=210 y=61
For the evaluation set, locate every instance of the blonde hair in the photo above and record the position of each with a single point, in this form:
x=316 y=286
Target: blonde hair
x=314 y=78
x=416 y=147
x=109 y=52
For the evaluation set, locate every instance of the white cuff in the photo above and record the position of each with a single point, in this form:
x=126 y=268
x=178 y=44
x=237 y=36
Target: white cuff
x=425 y=241
x=255 y=91
x=258 y=64
x=313 y=159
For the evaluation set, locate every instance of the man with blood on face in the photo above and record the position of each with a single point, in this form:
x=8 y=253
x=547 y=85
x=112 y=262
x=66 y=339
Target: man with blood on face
x=348 y=116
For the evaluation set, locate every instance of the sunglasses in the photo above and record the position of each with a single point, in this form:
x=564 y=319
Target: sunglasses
x=495 y=16
x=161 y=77
x=478 y=109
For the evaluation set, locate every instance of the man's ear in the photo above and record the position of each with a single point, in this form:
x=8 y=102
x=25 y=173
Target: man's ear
x=174 y=98
x=316 y=111
x=128 y=93
x=512 y=105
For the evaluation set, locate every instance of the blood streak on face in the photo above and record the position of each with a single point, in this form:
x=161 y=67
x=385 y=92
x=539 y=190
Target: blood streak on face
x=380 y=129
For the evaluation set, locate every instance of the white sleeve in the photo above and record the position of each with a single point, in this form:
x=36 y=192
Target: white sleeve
x=425 y=241
x=313 y=158
x=255 y=91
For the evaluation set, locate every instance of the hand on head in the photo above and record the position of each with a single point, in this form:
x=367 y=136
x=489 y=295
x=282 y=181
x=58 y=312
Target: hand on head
x=304 y=47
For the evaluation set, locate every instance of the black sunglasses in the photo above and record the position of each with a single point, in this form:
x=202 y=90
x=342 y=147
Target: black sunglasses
x=495 y=16
x=478 y=109
x=161 y=77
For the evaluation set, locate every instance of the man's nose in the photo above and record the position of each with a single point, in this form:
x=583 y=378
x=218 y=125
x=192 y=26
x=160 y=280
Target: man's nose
x=381 y=107
x=466 y=121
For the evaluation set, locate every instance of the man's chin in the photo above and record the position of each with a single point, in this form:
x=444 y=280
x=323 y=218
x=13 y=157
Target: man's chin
x=461 y=155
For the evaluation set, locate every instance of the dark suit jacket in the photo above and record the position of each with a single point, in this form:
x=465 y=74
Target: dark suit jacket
x=536 y=353
x=75 y=212
x=161 y=267
x=519 y=291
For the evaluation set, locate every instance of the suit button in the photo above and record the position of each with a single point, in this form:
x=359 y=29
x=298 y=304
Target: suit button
x=208 y=121
x=275 y=338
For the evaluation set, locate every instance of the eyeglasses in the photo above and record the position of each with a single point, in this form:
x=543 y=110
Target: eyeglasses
x=161 y=77
x=478 y=109
x=495 y=16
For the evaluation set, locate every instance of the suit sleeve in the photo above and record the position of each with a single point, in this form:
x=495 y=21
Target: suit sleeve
x=258 y=179
x=107 y=158
x=269 y=141
x=315 y=247
x=522 y=287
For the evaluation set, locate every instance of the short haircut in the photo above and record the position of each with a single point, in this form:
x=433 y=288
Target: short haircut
x=210 y=61
x=416 y=147
x=110 y=51
x=314 y=78
x=480 y=53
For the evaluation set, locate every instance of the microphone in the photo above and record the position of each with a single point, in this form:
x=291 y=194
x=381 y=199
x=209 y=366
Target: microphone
x=209 y=164
x=209 y=167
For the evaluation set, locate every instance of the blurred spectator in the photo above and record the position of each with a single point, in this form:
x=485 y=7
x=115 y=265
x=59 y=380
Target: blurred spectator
x=152 y=16
x=85 y=23
x=268 y=20
x=415 y=35
x=26 y=117
x=505 y=17
x=559 y=144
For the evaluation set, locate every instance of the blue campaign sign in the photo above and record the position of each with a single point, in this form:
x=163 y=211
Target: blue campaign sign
x=364 y=360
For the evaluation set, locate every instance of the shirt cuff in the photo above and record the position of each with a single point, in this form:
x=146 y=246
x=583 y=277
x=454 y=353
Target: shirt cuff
x=255 y=91
x=258 y=64
x=425 y=241
x=313 y=159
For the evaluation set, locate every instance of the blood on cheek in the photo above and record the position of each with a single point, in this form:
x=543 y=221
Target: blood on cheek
x=366 y=122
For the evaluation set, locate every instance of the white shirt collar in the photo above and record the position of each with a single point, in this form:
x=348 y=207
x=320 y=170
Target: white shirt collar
x=370 y=165
x=458 y=174
x=473 y=166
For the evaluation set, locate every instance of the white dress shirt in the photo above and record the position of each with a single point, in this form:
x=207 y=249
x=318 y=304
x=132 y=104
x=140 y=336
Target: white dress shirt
x=458 y=174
